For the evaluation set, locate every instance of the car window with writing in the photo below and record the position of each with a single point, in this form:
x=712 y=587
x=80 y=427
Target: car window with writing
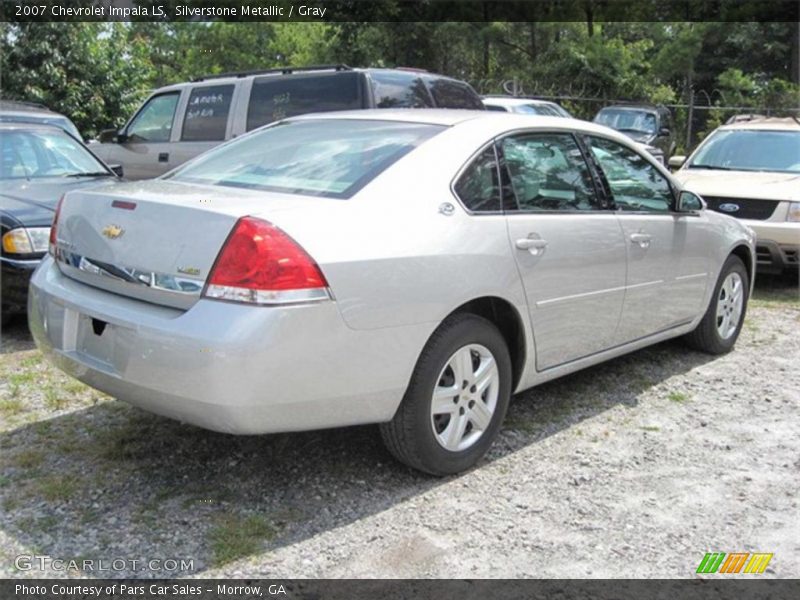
x=207 y=114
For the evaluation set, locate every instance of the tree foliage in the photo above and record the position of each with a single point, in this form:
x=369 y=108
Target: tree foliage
x=97 y=73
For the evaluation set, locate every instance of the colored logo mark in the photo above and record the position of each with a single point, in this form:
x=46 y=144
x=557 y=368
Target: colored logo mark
x=735 y=562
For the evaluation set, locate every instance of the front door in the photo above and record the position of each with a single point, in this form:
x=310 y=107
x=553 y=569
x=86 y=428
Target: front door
x=667 y=260
x=569 y=249
x=145 y=151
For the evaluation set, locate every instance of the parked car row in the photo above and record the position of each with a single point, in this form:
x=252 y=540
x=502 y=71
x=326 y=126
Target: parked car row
x=410 y=268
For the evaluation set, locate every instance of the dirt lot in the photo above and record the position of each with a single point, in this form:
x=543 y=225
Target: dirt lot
x=635 y=468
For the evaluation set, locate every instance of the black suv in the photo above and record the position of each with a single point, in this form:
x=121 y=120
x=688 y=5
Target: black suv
x=180 y=121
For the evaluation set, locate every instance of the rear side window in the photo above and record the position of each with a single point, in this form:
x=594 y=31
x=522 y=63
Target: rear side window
x=548 y=173
x=399 y=90
x=479 y=185
x=448 y=93
x=496 y=108
x=332 y=158
x=278 y=97
x=207 y=114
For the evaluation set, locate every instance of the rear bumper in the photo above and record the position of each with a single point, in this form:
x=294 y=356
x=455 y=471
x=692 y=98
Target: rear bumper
x=14 y=280
x=223 y=366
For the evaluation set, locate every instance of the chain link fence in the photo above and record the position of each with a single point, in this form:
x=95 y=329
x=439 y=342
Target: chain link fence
x=693 y=120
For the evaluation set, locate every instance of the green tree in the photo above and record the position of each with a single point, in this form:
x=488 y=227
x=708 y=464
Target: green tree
x=92 y=72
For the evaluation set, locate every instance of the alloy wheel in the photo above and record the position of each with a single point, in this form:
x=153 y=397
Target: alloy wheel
x=465 y=397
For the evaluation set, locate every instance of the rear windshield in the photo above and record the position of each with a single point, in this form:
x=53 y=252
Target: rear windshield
x=334 y=158
x=277 y=97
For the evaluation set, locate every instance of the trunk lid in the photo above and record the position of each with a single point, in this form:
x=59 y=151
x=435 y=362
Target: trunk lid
x=156 y=240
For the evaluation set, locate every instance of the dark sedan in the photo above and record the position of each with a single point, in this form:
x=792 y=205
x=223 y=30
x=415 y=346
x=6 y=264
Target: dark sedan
x=38 y=164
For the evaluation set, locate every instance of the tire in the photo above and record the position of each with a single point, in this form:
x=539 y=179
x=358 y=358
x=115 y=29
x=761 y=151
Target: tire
x=711 y=335
x=464 y=345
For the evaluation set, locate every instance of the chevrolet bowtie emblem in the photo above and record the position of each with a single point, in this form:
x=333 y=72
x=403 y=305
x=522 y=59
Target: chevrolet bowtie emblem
x=112 y=232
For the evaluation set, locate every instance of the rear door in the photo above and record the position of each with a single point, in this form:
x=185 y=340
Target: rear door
x=568 y=247
x=667 y=253
x=146 y=149
x=204 y=121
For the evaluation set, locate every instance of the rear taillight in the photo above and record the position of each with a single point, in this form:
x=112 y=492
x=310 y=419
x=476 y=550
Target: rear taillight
x=260 y=264
x=53 y=236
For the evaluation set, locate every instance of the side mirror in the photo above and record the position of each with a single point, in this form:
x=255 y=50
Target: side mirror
x=689 y=202
x=664 y=132
x=676 y=162
x=117 y=169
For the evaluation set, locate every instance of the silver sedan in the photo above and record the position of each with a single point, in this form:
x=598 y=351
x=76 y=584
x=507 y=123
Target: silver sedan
x=408 y=268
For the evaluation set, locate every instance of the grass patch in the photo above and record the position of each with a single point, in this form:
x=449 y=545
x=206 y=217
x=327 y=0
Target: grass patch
x=234 y=536
x=12 y=406
x=57 y=488
x=29 y=459
x=31 y=361
x=53 y=399
x=20 y=379
x=678 y=397
x=650 y=428
x=74 y=387
x=775 y=294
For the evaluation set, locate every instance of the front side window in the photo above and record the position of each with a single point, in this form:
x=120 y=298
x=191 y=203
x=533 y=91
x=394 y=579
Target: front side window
x=399 y=90
x=479 y=185
x=318 y=157
x=548 y=173
x=154 y=121
x=635 y=184
x=38 y=154
x=207 y=114
x=277 y=97
x=750 y=150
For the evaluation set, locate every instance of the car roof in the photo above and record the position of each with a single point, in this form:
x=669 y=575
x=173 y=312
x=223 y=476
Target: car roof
x=228 y=78
x=14 y=106
x=30 y=126
x=498 y=122
x=647 y=107
x=513 y=101
x=768 y=123
x=433 y=116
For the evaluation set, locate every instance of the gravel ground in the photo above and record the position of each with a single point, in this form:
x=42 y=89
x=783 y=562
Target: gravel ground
x=634 y=468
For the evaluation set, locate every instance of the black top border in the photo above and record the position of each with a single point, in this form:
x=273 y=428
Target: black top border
x=598 y=11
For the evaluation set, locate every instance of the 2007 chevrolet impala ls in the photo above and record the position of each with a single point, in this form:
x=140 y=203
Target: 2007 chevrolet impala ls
x=408 y=268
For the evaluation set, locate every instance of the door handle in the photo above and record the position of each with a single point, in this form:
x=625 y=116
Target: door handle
x=163 y=157
x=534 y=245
x=643 y=239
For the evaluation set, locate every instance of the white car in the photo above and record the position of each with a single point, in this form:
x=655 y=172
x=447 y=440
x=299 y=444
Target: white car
x=751 y=171
x=525 y=106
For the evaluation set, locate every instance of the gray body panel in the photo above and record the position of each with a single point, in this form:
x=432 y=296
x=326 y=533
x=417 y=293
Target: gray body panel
x=397 y=267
